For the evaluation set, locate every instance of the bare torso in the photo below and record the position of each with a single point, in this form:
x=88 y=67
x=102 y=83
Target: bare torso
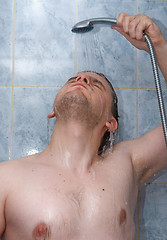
x=45 y=202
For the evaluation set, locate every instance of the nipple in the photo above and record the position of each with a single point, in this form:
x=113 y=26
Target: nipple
x=41 y=232
x=122 y=216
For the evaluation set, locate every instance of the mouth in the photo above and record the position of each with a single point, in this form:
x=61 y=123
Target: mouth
x=79 y=84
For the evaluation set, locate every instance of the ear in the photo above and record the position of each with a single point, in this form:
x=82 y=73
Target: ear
x=112 y=125
x=51 y=115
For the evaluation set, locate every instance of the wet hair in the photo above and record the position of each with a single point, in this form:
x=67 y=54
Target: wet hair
x=105 y=142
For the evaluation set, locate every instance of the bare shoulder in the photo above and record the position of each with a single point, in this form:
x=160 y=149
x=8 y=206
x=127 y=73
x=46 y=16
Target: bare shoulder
x=10 y=169
x=124 y=148
x=121 y=152
x=13 y=164
x=7 y=167
x=8 y=175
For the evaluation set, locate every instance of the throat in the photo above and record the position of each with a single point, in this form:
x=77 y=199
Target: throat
x=73 y=146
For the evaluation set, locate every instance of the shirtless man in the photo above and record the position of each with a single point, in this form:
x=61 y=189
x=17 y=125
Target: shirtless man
x=68 y=191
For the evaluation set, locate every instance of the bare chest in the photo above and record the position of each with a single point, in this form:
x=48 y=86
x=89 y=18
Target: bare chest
x=65 y=207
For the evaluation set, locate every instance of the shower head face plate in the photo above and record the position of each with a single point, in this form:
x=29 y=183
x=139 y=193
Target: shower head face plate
x=87 y=25
x=82 y=27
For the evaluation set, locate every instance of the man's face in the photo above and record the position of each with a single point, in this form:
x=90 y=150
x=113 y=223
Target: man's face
x=85 y=94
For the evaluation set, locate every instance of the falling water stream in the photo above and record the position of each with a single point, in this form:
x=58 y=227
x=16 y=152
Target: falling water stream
x=90 y=57
x=89 y=53
x=48 y=129
x=111 y=140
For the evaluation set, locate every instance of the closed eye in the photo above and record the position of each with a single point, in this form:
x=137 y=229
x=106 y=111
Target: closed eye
x=98 y=84
x=72 y=79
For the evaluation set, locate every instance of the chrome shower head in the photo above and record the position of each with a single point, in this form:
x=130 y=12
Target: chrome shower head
x=87 y=25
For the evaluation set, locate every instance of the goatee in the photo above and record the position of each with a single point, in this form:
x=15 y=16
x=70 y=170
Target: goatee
x=75 y=106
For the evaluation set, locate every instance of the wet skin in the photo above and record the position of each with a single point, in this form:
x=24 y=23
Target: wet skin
x=68 y=192
x=81 y=196
x=48 y=202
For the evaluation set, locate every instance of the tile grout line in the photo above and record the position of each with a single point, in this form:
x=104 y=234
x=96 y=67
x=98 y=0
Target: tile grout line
x=13 y=65
x=76 y=19
x=150 y=182
x=55 y=87
x=118 y=88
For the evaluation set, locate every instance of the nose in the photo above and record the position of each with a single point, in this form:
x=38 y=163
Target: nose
x=83 y=77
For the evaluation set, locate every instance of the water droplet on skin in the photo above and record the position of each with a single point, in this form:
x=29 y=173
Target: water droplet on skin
x=111 y=142
x=48 y=126
x=67 y=156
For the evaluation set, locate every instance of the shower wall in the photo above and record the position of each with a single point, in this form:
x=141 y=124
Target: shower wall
x=38 y=53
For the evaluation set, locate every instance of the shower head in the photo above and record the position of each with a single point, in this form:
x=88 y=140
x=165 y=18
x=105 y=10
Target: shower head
x=87 y=25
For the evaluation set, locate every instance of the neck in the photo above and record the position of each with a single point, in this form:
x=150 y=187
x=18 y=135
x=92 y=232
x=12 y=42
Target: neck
x=74 y=146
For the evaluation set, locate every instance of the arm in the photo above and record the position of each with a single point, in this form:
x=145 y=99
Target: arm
x=148 y=153
x=2 y=214
x=132 y=27
x=2 y=218
x=3 y=195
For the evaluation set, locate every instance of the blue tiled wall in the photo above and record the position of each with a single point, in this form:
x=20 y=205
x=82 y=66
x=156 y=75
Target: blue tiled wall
x=38 y=53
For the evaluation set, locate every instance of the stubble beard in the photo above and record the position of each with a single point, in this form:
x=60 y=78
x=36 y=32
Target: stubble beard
x=76 y=107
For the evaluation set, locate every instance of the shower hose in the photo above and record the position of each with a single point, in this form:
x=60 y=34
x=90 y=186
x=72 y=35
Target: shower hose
x=158 y=86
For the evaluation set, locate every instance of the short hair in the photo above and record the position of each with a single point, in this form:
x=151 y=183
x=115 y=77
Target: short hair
x=105 y=142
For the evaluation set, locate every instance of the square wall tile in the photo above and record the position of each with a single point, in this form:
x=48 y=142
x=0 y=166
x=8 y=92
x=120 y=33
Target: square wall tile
x=153 y=214
x=146 y=76
x=150 y=1
x=127 y=112
x=6 y=25
x=44 y=52
x=31 y=131
x=5 y=119
x=103 y=49
x=86 y=4
x=156 y=10
x=149 y=114
x=149 y=118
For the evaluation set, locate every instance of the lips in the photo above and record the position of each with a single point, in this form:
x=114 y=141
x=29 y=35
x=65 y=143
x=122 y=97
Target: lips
x=79 y=84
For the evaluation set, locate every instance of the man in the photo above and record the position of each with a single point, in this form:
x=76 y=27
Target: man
x=68 y=191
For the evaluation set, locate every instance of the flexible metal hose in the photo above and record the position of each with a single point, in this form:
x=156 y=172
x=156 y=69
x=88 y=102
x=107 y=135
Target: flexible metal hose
x=158 y=86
